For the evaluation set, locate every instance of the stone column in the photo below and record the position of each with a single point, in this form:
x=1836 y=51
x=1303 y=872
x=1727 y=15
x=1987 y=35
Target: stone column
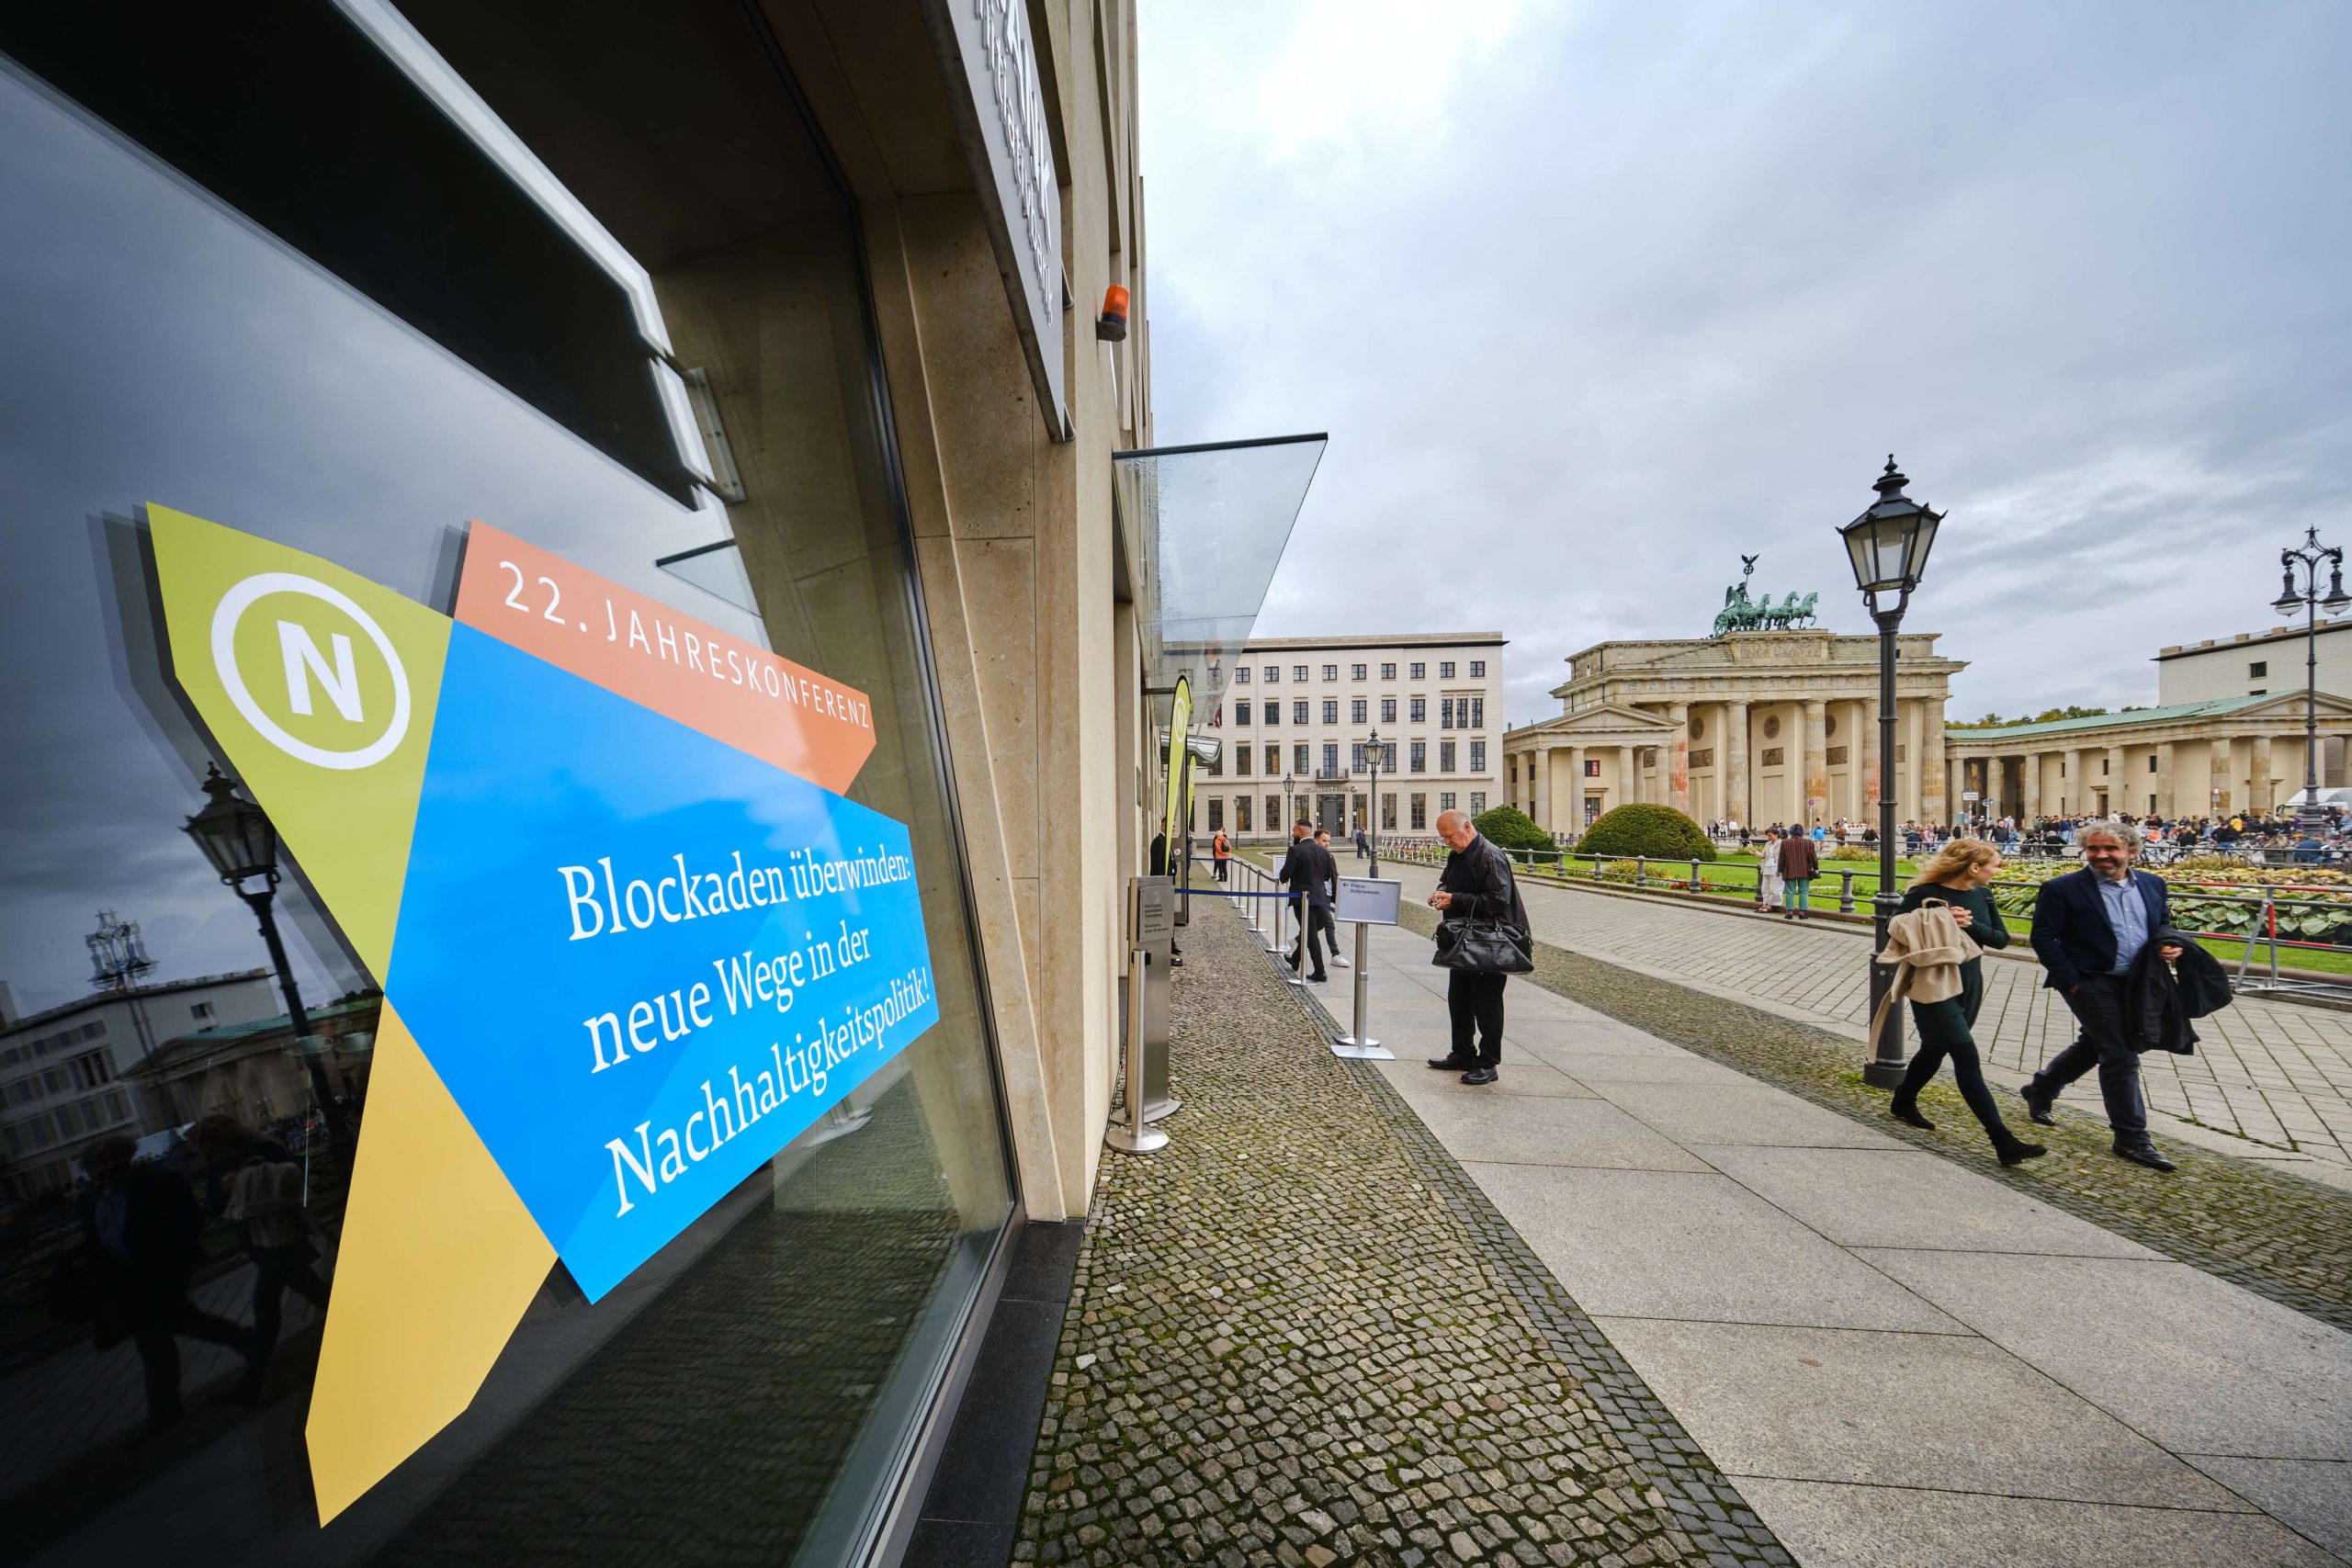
x=2259 y=792
x=1567 y=799
x=2117 y=780
x=1541 y=787
x=1734 y=761
x=2163 y=779
x=2222 y=775
x=1677 y=758
x=1629 y=769
x=2032 y=803
x=2074 y=799
x=1952 y=787
x=1934 y=804
x=1817 y=762
x=1872 y=761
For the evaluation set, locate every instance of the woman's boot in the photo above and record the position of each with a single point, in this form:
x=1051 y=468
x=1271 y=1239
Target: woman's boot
x=1904 y=1108
x=2013 y=1150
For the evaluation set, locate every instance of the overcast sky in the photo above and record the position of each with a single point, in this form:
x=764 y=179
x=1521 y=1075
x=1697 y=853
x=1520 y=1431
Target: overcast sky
x=1595 y=297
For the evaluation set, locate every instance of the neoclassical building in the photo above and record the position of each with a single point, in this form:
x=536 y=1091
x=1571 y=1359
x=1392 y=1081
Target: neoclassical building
x=2240 y=753
x=1758 y=726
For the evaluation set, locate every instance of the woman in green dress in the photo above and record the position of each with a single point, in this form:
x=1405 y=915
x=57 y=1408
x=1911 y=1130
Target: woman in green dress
x=1958 y=876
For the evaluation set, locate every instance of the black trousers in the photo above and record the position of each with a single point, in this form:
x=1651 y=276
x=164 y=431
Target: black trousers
x=1475 y=1003
x=156 y=1326
x=1320 y=932
x=2098 y=1006
x=1937 y=1043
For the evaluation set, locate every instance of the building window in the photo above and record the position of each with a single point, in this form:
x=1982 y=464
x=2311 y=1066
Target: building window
x=1420 y=806
x=1330 y=710
x=1357 y=708
x=1420 y=671
x=1387 y=813
x=1388 y=755
x=1331 y=672
x=200 y=1011
x=1418 y=709
x=1446 y=713
x=1477 y=801
x=1240 y=813
x=2151 y=763
x=2259 y=692
x=1298 y=674
x=1298 y=753
x=1355 y=671
x=1356 y=758
x=1477 y=756
x=1241 y=712
x=1273 y=713
x=2103 y=766
x=1445 y=800
x=1217 y=818
x=1273 y=674
x=1273 y=761
x=1273 y=813
x=1445 y=756
x=1389 y=672
x=1214 y=767
x=1388 y=710
x=1514 y=770
x=1592 y=767
x=2258 y=668
x=1241 y=675
x=1477 y=669
x=1330 y=758
x=1446 y=672
x=1418 y=757
x=1241 y=760
x=1477 y=720
x=1298 y=710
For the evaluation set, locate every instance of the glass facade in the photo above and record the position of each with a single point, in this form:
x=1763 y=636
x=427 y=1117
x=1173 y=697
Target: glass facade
x=359 y=285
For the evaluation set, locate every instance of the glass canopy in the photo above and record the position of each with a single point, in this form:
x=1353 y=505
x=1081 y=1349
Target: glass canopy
x=1211 y=522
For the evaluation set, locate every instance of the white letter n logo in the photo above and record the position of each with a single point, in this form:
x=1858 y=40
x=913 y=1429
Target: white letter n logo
x=303 y=660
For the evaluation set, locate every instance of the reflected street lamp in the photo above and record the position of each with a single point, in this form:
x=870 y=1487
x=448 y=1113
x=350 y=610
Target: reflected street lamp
x=1888 y=546
x=240 y=841
x=2310 y=816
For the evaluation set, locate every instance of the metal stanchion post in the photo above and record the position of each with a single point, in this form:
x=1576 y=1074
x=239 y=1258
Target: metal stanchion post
x=1356 y=1042
x=1304 y=931
x=1139 y=1137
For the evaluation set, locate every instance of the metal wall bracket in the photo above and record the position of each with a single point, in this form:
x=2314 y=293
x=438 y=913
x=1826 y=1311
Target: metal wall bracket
x=727 y=480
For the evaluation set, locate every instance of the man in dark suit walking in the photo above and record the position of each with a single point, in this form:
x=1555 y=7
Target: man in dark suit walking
x=2087 y=926
x=1310 y=873
x=1476 y=883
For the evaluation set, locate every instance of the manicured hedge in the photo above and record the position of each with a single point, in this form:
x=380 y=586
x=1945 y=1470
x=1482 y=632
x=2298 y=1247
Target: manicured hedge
x=1657 y=830
x=1511 y=828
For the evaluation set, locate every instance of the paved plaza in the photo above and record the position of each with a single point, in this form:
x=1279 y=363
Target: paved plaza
x=2270 y=1079
x=1355 y=1305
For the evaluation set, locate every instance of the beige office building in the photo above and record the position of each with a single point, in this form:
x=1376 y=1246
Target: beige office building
x=2242 y=753
x=1758 y=727
x=1301 y=716
x=2254 y=664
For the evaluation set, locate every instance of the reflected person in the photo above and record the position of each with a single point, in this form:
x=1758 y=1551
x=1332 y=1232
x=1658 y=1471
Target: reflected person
x=265 y=1201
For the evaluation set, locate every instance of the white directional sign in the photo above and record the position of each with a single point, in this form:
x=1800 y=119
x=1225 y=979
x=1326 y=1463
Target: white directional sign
x=1368 y=900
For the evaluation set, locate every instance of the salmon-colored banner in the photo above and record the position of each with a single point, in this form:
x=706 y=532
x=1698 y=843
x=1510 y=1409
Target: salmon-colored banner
x=641 y=648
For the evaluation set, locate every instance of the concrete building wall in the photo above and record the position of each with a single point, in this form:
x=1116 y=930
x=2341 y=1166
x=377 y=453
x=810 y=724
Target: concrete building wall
x=2266 y=663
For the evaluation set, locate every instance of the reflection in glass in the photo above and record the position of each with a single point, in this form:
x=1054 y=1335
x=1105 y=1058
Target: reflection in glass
x=172 y=1182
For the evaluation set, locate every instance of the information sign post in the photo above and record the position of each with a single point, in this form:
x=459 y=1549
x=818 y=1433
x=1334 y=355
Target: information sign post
x=1366 y=901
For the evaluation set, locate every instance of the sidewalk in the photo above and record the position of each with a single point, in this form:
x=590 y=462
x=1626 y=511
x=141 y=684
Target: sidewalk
x=1893 y=1358
x=2270 y=1081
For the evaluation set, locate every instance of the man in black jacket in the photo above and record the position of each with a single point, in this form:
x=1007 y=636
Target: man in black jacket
x=1309 y=871
x=1476 y=883
x=2088 y=926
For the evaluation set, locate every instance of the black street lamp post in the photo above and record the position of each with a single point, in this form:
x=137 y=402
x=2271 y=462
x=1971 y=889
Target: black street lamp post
x=237 y=837
x=2307 y=598
x=1888 y=545
x=1289 y=816
x=1371 y=800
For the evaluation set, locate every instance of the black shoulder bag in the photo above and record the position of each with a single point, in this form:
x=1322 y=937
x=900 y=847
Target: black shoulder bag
x=1482 y=946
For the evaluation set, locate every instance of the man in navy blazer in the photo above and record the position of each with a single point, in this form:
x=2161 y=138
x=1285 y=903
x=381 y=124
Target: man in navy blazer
x=2087 y=926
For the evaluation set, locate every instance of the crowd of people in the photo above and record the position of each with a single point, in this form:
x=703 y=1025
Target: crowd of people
x=2280 y=833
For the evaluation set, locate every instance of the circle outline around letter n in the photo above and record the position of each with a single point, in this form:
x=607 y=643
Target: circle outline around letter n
x=232 y=610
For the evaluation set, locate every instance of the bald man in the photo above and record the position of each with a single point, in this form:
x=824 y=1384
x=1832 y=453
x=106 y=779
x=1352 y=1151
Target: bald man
x=1476 y=882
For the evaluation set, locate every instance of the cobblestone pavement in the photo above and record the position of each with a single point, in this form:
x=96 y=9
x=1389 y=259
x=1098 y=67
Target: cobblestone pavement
x=1299 y=1335
x=2277 y=1235
x=2276 y=1074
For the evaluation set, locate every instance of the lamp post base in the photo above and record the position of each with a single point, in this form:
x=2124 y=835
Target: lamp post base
x=1884 y=1075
